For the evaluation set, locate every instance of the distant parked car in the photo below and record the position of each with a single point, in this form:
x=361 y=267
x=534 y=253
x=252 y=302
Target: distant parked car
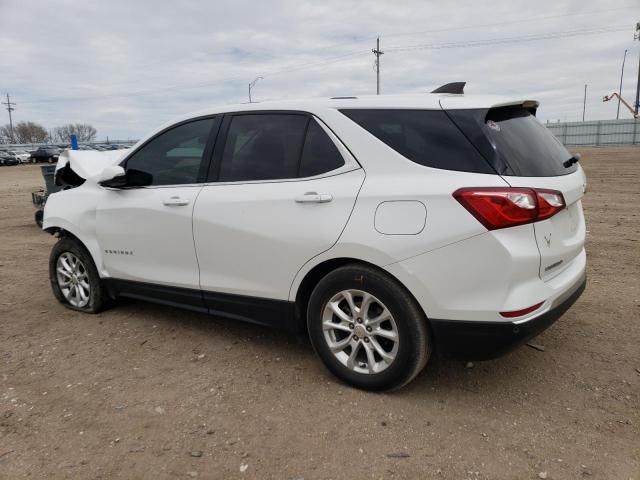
x=7 y=158
x=45 y=154
x=21 y=156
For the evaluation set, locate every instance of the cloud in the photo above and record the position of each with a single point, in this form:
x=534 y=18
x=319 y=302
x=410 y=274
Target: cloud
x=127 y=67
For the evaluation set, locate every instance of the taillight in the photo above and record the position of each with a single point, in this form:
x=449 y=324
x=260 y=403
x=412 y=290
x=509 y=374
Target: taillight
x=550 y=202
x=497 y=207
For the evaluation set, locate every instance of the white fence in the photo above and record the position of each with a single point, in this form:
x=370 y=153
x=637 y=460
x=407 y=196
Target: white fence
x=601 y=132
x=34 y=146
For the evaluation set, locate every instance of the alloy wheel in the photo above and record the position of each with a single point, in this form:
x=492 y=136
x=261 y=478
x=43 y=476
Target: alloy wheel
x=360 y=331
x=73 y=280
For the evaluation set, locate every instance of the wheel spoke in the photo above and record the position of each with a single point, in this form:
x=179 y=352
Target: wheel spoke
x=371 y=361
x=341 y=314
x=354 y=353
x=81 y=292
x=367 y=300
x=390 y=334
x=64 y=261
x=62 y=271
x=381 y=351
x=340 y=345
x=385 y=315
x=352 y=306
x=330 y=325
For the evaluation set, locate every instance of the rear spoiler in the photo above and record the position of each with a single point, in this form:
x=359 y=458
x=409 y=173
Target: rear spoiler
x=463 y=102
x=530 y=105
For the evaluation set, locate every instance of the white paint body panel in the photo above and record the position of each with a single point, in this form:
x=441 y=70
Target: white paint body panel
x=405 y=217
x=157 y=238
x=252 y=238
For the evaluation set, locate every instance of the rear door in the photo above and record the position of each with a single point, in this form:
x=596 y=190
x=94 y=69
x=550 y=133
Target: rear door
x=281 y=190
x=526 y=154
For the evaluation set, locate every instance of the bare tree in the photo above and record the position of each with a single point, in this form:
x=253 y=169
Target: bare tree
x=30 y=132
x=24 y=132
x=84 y=132
x=5 y=134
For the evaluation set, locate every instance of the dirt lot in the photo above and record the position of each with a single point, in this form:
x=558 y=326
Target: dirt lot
x=144 y=391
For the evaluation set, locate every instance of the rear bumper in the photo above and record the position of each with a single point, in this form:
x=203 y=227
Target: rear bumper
x=475 y=340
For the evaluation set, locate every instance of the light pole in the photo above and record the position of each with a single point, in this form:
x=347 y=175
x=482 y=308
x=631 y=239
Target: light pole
x=584 y=102
x=252 y=84
x=620 y=89
x=636 y=36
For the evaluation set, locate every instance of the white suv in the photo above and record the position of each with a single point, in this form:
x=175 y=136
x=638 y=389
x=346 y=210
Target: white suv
x=384 y=226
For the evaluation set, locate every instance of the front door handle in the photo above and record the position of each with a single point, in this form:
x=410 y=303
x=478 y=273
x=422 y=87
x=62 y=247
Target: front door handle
x=175 y=201
x=313 y=197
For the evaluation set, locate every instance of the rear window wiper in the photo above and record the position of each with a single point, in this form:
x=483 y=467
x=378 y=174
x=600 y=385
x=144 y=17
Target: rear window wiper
x=572 y=160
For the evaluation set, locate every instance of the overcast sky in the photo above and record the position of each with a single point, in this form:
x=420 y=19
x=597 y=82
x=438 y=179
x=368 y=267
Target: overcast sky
x=129 y=66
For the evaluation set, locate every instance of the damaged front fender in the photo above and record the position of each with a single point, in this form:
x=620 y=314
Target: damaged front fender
x=76 y=166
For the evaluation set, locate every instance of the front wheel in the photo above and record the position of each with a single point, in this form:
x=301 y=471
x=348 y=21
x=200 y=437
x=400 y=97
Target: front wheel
x=367 y=329
x=74 y=279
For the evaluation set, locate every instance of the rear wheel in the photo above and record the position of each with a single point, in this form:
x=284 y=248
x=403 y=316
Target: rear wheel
x=367 y=329
x=74 y=279
x=50 y=160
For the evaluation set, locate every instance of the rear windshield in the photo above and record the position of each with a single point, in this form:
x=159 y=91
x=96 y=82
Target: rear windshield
x=426 y=137
x=514 y=141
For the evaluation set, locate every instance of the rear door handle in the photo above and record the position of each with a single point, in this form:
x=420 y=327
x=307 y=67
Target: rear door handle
x=313 y=197
x=175 y=201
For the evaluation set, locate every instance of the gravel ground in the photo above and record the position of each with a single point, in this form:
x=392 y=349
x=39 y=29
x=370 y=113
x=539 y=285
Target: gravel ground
x=147 y=391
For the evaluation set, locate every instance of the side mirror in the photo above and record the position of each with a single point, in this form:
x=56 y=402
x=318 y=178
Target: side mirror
x=113 y=176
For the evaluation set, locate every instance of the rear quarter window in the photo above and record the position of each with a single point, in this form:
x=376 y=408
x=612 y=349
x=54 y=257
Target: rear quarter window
x=426 y=137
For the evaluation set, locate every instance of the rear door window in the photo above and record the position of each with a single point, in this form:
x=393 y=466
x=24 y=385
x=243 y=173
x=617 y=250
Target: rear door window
x=426 y=137
x=262 y=147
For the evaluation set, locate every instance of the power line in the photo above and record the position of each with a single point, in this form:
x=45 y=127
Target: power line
x=508 y=22
x=10 y=109
x=503 y=40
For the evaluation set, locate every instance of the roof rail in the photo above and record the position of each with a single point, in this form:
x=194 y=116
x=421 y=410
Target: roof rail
x=454 y=87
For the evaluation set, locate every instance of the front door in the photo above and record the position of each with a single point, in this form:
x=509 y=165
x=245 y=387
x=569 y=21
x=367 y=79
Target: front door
x=145 y=230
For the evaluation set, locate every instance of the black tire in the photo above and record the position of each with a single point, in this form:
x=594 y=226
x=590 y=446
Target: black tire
x=98 y=297
x=39 y=215
x=50 y=160
x=414 y=340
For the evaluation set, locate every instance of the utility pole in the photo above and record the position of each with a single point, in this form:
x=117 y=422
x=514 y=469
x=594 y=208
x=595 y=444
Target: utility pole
x=584 y=103
x=636 y=36
x=377 y=52
x=10 y=109
x=620 y=90
x=252 y=84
